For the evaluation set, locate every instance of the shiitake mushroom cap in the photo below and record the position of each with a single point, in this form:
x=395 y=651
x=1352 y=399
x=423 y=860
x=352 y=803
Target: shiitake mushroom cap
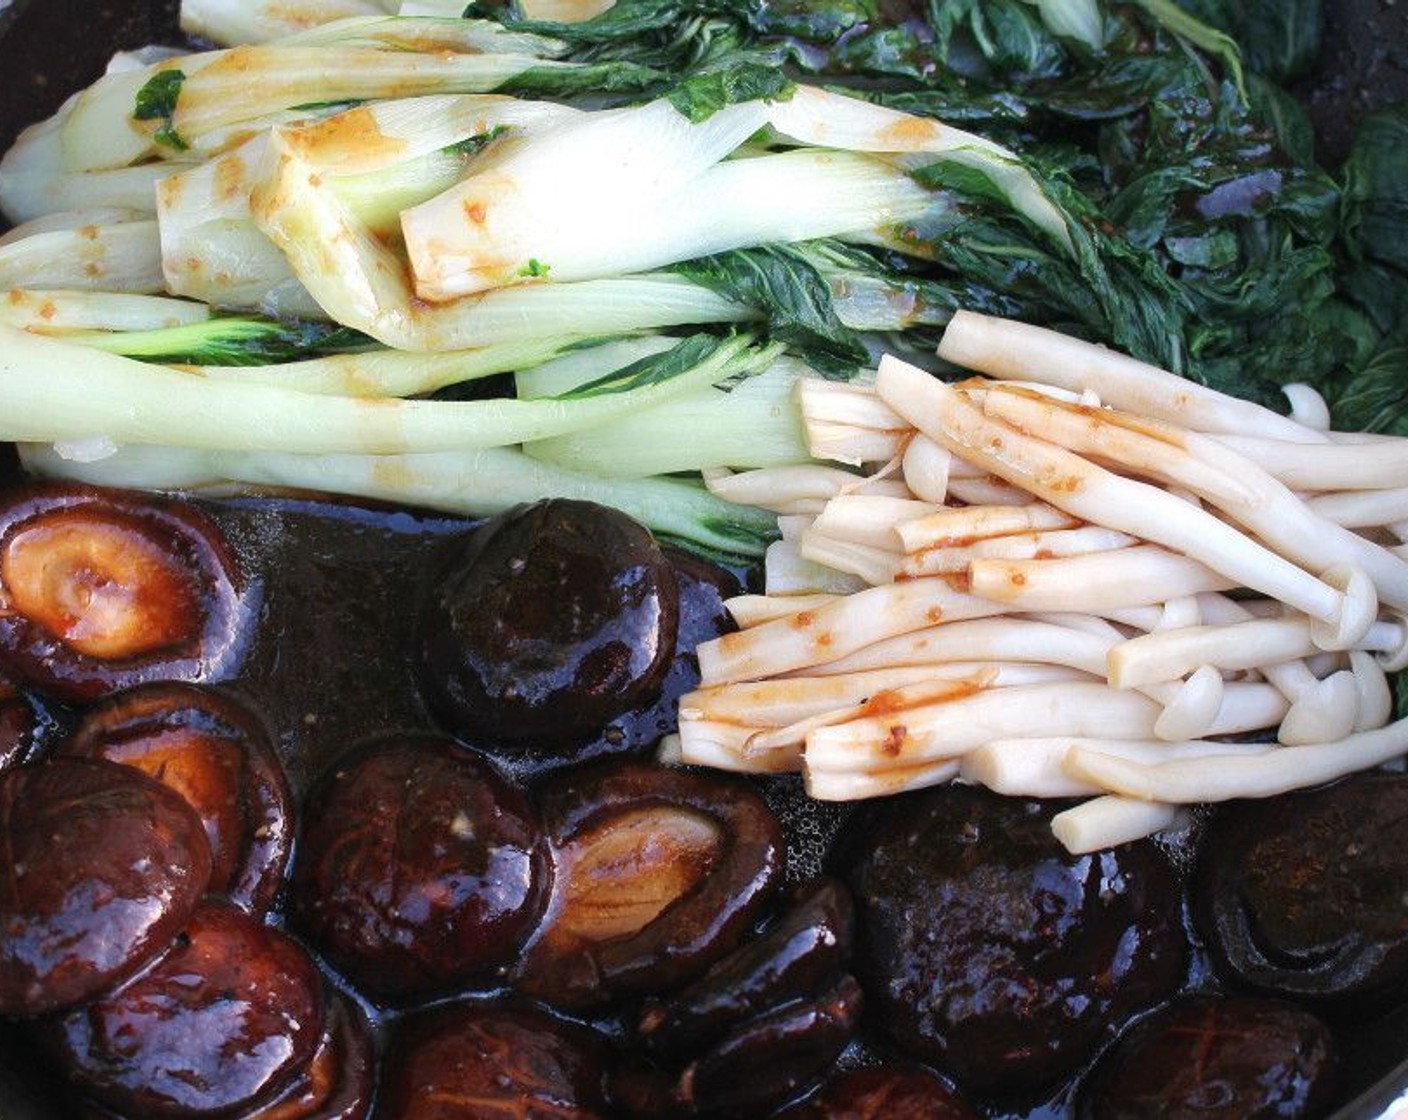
x=103 y=866
x=1303 y=896
x=1216 y=1058
x=992 y=953
x=226 y=1017
x=107 y=589
x=472 y=1059
x=419 y=868
x=546 y=622
x=658 y=873
x=212 y=750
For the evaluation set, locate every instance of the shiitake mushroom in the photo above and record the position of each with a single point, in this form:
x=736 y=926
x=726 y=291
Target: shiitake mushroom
x=490 y=1060
x=761 y=1025
x=103 y=865
x=419 y=867
x=227 y=1017
x=658 y=873
x=758 y=1065
x=1303 y=896
x=212 y=750
x=989 y=951
x=799 y=954
x=338 y=1080
x=546 y=622
x=1216 y=1058
x=105 y=589
x=885 y=1092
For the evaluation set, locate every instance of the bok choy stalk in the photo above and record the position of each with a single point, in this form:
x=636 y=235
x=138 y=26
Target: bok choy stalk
x=650 y=189
x=100 y=250
x=233 y=22
x=374 y=158
x=83 y=316
x=361 y=283
x=754 y=423
x=175 y=105
x=52 y=391
x=476 y=483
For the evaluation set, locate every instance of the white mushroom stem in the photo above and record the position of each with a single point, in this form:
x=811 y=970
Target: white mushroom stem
x=1106 y=822
x=1362 y=509
x=1165 y=655
x=1018 y=546
x=948 y=528
x=1014 y=351
x=869 y=519
x=929 y=732
x=848 y=423
x=984 y=639
x=1225 y=778
x=1096 y=495
x=1371 y=685
x=787 y=572
x=1037 y=767
x=1178 y=613
x=782 y=701
x=777 y=487
x=872 y=565
x=1380 y=465
x=927 y=467
x=987 y=492
x=811 y=637
x=1211 y=472
x=753 y=610
x=720 y=744
x=845 y=786
x=1308 y=407
x=1100 y=582
x=1199 y=707
x=793 y=736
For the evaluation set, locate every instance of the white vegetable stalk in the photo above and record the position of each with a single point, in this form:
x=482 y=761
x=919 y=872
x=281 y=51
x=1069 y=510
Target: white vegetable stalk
x=1101 y=497
x=513 y=220
x=948 y=729
x=780 y=489
x=748 y=611
x=474 y=483
x=811 y=638
x=787 y=572
x=392 y=373
x=1107 y=822
x=1378 y=465
x=1019 y=546
x=25 y=195
x=826 y=119
x=364 y=285
x=1212 y=472
x=848 y=423
x=874 y=566
x=1098 y=582
x=231 y=22
x=130 y=402
x=1036 y=767
x=1229 y=776
x=119 y=257
x=620 y=162
x=73 y=315
x=752 y=424
x=959 y=526
x=1015 y=351
x=1362 y=509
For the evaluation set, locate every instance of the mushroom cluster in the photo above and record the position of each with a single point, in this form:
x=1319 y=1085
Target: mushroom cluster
x=1073 y=576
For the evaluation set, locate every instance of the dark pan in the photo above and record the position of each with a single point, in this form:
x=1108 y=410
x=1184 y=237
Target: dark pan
x=49 y=48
